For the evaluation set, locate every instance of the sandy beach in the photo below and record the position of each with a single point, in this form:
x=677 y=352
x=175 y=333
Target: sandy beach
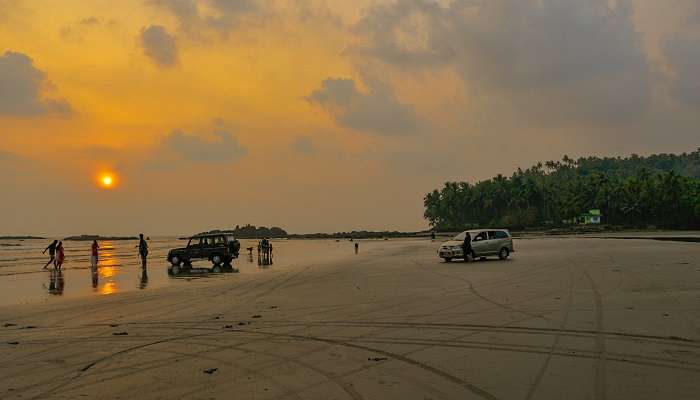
x=575 y=318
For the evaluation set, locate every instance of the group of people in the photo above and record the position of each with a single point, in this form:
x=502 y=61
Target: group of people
x=57 y=254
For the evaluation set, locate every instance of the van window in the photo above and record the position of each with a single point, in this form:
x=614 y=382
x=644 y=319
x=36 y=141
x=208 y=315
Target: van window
x=501 y=235
x=480 y=236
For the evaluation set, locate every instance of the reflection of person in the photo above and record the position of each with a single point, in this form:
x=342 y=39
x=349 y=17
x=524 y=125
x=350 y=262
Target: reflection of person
x=467 y=246
x=143 y=250
x=60 y=255
x=357 y=247
x=56 y=282
x=95 y=278
x=144 y=278
x=52 y=253
x=93 y=258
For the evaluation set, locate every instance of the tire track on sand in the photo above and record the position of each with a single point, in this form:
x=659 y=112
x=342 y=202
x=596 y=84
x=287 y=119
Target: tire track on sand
x=445 y=375
x=555 y=343
x=600 y=365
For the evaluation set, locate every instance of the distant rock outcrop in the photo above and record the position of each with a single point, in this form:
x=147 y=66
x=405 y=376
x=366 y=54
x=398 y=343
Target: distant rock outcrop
x=253 y=232
x=85 y=238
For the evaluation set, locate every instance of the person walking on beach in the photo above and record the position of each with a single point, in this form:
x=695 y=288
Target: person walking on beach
x=60 y=255
x=357 y=247
x=52 y=253
x=467 y=246
x=143 y=250
x=93 y=258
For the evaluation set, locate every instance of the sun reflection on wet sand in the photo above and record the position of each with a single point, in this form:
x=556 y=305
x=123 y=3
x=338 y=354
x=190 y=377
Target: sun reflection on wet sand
x=108 y=269
x=108 y=288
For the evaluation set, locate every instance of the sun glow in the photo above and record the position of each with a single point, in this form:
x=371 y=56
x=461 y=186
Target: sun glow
x=107 y=181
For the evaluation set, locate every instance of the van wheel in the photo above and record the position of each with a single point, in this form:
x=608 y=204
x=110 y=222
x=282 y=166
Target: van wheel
x=216 y=259
x=175 y=269
x=504 y=253
x=448 y=259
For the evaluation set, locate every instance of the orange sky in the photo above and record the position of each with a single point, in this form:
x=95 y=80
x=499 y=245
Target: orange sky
x=319 y=115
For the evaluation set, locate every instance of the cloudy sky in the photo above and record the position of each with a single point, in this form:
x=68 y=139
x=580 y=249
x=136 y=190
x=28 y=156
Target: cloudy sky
x=320 y=115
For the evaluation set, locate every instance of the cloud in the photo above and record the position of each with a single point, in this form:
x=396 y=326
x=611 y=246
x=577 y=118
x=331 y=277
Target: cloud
x=196 y=17
x=22 y=88
x=159 y=45
x=7 y=156
x=304 y=146
x=218 y=147
x=579 y=58
x=682 y=53
x=78 y=30
x=375 y=111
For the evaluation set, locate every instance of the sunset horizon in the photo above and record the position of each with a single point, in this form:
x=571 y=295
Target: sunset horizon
x=318 y=116
x=332 y=199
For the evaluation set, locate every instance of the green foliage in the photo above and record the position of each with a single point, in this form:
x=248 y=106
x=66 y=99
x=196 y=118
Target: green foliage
x=661 y=190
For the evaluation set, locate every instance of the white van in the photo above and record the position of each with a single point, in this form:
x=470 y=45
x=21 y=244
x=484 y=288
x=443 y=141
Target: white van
x=485 y=242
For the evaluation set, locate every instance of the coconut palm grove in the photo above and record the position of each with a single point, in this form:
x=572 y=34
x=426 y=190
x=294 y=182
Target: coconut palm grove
x=661 y=190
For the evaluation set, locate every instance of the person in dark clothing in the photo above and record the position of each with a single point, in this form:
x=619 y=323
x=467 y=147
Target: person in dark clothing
x=357 y=247
x=52 y=253
x=467 y=247
x=143 y=250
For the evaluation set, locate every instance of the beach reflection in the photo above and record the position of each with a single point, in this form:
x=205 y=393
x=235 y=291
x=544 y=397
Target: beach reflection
x=107 y=271
x=144 y=278
x=95 y=278
x=108 y=288
x=56 y=283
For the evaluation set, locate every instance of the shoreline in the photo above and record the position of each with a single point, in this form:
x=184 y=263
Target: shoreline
x=391 y=322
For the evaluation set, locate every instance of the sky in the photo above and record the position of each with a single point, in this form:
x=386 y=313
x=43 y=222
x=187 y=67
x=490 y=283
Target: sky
x=320 y=115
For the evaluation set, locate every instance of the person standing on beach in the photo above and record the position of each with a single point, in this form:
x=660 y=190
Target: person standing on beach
x=52 y=253
x=467 y=246
x=60 y=256
x=357 y=247
x=93 y=258
x=143 y=250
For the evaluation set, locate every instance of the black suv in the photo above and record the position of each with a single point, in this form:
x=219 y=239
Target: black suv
x=219 y=248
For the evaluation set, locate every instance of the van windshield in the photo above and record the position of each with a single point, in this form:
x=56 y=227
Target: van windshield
x=460 y=237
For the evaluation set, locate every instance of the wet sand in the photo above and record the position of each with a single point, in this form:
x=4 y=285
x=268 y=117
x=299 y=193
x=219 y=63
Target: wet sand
x=571 y=318
x=23 y=280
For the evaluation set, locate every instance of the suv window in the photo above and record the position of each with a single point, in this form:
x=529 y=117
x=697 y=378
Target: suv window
x=209 y=241
x=493 y=235
x=480 y=236
x=501 y=235
x=194 y=242
x=219 y=241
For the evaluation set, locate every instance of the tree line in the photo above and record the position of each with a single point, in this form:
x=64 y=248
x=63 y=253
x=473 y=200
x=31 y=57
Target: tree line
x=661 y=190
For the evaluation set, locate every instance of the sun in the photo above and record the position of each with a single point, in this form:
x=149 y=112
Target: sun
x=107 y=181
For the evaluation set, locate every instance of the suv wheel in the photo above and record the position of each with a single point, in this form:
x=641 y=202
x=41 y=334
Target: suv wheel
x=504 y=253
x=216 y=269
x=175 y=269
x=216 y=259
x=175 y=260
